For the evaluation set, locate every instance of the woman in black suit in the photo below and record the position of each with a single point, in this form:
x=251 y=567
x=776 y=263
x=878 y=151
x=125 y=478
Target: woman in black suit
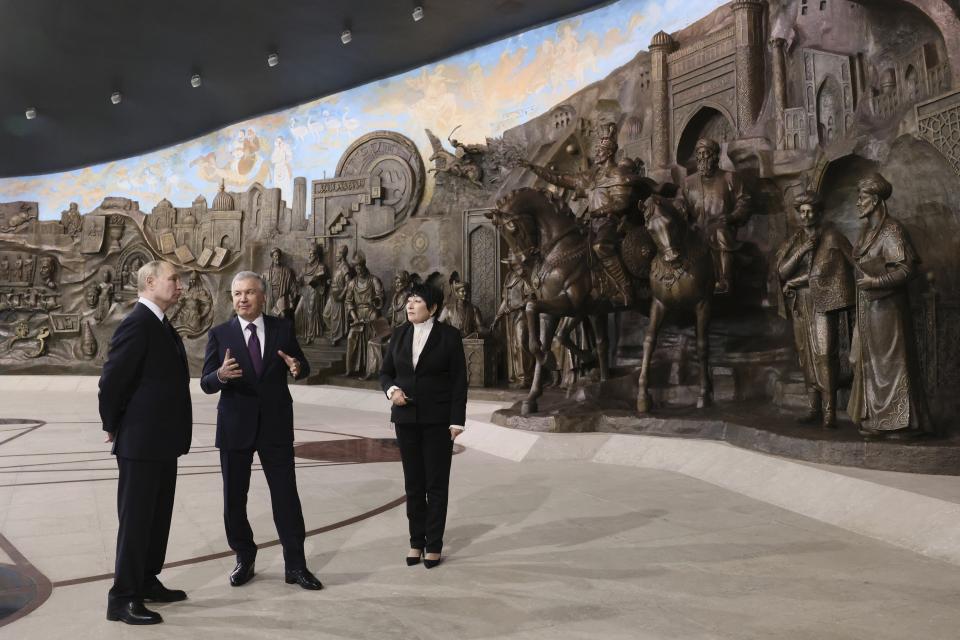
x=424 y=374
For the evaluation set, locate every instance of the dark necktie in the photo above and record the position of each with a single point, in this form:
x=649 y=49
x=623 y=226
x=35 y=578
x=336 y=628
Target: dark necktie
x=253 y=345
x=176 y=338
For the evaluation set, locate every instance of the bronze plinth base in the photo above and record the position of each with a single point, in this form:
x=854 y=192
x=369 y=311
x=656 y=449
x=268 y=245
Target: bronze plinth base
x=754 y=425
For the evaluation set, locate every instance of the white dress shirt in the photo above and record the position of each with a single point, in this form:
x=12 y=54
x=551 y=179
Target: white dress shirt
x=150 y=305
x=261 y=332
x=421 y=331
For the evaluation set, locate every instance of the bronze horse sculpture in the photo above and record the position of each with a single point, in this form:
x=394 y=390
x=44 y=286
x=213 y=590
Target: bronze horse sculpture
x=545 y=236
x=681 y=277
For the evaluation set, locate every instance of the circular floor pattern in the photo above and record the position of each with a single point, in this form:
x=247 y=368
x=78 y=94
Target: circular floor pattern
x=17 y=591
x=23 y=588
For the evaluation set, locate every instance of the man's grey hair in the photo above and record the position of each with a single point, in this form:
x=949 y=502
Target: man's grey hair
x=149 y=270
x=248 y=275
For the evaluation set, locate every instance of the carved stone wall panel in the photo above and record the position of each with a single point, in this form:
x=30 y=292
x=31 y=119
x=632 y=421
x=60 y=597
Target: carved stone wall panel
x=938 y=121
x=702 y=75
x=18 y=217
x=724 y=102
x=795 y=129
x=828 y=93
x=483 y=270
x=379 y=183
x=92 y=234
x=715 y=47
x=17 y=268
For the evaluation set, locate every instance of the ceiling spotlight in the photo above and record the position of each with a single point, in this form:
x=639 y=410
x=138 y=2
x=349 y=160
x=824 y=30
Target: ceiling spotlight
x=417 y=14
x=346 y=36
x=273 y=59
x=31 y=113
x=195 y=80
x=115 y=97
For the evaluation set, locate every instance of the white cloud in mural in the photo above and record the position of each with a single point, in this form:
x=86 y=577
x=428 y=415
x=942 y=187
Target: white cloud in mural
x=487 y=91
x=485 y=101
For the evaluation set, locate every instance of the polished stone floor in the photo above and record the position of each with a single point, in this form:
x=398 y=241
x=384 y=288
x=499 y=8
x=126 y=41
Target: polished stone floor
x=534 y=549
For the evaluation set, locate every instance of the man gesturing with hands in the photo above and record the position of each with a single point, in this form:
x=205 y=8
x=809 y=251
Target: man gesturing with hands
x=247 y=362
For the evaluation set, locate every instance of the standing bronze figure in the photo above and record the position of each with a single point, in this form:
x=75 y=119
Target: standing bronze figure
x=281 y=289
x=816 y=281
x=397 y=313
x=313 y=292
x=364 y=300
x=516 y=292
x=716 y=204
x=334 y=313
x=887 y=398
x=396 y=316
x=462 y=313
x=610 y=190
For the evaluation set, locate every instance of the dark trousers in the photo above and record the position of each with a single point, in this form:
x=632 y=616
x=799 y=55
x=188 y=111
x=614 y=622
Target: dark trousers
x=144 y=505
x=426 y=451
x=279 y=469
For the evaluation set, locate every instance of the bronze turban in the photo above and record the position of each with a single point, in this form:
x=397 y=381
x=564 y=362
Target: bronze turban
x=877 y=185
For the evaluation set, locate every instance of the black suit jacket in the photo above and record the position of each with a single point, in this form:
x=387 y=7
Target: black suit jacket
x=438 y=385
x=145 y=389
x=253 y=411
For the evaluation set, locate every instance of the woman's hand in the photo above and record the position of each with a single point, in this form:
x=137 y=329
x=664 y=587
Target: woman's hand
x=454 y=432
x=398 y=398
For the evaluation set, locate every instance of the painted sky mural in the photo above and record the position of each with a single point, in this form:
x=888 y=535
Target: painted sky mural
x=484 y=92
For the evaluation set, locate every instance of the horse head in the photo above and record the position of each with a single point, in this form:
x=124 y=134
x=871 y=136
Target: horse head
x=516 y=216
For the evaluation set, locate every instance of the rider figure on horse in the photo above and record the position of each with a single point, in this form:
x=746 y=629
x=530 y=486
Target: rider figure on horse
x=610 y=189
x=716 y=203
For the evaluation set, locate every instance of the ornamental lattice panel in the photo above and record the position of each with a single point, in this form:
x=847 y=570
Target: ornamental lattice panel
x=483 y=271
x=938 y=121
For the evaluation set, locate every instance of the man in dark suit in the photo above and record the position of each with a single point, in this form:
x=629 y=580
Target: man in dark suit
x=146 y=412
x=425 y=376
x=247 y=362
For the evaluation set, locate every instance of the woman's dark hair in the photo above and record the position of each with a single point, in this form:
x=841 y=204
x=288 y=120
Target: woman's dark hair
x=428 y=293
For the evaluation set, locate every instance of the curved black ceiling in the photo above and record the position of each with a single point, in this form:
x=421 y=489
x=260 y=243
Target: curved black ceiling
x=66 y=57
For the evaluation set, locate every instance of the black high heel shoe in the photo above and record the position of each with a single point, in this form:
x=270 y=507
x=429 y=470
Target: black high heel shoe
x=412 y=560
x=430 y=564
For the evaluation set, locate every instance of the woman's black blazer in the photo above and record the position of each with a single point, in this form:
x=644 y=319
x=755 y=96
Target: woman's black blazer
x=438 y=386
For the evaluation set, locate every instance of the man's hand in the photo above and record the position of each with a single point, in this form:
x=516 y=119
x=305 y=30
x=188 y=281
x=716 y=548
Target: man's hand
x=454 y=432
x=292 y=363
x=809 y=245
x=398 y=398
x=109 y=437
x=229 y=370
x=868 y=282
x=794 y=283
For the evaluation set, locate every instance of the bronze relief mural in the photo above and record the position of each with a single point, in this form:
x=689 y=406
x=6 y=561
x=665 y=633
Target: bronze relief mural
x=744 y=210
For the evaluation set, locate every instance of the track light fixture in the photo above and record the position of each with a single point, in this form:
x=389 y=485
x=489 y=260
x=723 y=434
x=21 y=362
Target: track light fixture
x=417 y=13
x=195 y=80
x=31 y=113
x=115 y=97
x=346 y=36
x=273 y=59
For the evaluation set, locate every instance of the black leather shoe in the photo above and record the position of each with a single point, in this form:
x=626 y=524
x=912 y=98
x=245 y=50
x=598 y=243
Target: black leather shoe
x=156 y=592
x=304 y=578
x=430 y=564
x=242 y=573
x=133 y=613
